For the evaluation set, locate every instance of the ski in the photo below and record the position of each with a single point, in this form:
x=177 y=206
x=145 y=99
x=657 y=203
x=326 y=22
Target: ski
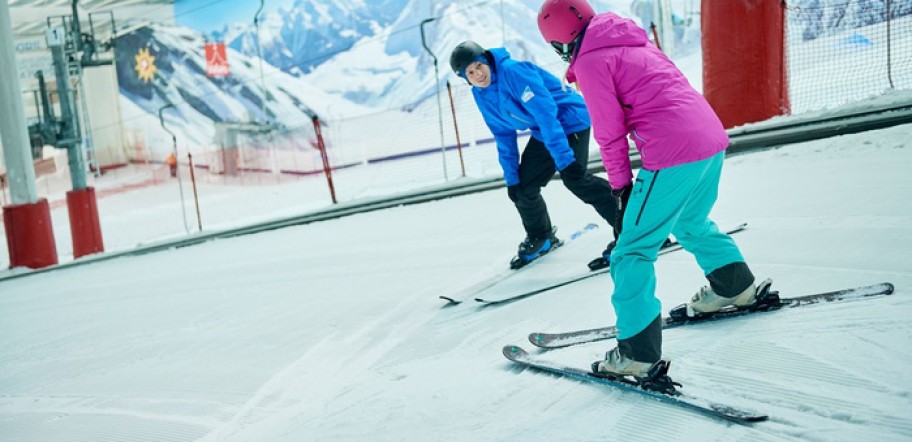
x=675 y=246
x=499 y=277
x=679 y=315
x=706 y=407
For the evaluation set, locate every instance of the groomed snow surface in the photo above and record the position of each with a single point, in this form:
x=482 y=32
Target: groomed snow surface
x=333 y=331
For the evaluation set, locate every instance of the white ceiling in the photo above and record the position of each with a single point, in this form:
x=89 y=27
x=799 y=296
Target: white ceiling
x=29 y=17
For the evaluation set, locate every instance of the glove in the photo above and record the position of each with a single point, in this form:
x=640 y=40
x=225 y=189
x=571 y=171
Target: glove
x=574 y=171
x=623 y=196
x=513 y=192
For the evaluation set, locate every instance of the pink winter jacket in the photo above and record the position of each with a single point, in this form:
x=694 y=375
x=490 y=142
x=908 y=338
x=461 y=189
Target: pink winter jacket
x=632 y=88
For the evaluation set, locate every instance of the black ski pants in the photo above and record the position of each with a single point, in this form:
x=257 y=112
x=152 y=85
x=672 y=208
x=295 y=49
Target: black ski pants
x=536 y=168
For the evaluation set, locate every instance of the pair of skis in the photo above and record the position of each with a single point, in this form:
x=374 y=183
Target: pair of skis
x=497 y=278
x=495 y=300
x=679 y=317
x=710 y=408
x=769 y=301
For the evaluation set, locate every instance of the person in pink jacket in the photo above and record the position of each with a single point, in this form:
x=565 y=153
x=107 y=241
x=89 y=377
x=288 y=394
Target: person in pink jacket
x=633 y=90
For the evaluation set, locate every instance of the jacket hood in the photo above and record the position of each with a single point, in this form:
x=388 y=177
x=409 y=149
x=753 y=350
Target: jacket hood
x=609 y=30
x=499 y=54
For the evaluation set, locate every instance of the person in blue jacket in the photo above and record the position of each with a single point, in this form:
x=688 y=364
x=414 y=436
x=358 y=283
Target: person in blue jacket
x=516 y=96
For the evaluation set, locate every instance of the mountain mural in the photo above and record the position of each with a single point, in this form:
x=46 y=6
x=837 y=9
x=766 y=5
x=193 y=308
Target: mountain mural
x=332 y=58
x=159 y=65
x=298 y=38
x=393 y=69
x=371 y=53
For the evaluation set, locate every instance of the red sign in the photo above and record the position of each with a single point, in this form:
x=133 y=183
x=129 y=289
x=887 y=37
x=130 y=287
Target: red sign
x=216 y=60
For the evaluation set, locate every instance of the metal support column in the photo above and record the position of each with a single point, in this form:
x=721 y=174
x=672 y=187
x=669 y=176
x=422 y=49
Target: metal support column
x=14 y=132
x=27 y=222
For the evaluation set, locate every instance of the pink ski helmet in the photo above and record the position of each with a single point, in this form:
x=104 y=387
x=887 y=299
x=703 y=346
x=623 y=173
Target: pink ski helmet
x=562 y=21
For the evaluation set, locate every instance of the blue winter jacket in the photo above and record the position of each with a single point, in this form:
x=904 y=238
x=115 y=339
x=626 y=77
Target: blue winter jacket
x=524 y=96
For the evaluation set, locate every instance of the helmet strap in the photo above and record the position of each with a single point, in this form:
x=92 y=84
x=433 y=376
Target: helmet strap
x=568 y=50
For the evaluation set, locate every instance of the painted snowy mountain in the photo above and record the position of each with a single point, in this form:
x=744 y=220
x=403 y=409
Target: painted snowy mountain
x=392 y=68
x=370 y=52
x=819 y=18
x=308 y=33
x=177 y=54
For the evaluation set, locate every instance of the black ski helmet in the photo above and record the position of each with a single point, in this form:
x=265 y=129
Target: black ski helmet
x=463 y=55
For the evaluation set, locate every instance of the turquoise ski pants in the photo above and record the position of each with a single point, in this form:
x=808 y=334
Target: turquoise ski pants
x=676 y=200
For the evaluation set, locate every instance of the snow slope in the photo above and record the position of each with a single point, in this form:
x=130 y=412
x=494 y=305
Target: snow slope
x=333 y=330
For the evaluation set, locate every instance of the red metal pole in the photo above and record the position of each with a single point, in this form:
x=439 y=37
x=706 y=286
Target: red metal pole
x=785 y=105
x=199 y=221
x=655 y=35
x=85 y=227
x=456 y=127
x=322 y=147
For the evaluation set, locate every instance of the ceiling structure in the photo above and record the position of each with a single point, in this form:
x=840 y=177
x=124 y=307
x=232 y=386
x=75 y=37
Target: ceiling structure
x=29 y=17
x=30 y=23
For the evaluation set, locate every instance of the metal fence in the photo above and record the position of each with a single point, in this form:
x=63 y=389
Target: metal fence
x=842 y=51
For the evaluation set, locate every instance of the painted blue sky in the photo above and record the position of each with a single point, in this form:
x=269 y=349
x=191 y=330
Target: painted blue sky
x=208 y=15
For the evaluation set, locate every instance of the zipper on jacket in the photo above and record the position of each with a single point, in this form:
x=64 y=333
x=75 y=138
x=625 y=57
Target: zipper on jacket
x=520 y=119
x=646 y=198
x=643 y=150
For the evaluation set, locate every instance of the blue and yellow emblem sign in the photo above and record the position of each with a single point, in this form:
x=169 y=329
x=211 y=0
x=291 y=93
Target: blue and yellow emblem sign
x=145 y=65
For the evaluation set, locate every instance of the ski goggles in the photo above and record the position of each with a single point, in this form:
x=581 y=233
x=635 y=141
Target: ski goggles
x=564 y=50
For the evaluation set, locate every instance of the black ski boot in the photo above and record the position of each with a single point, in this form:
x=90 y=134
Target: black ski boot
x=534 y=247
x=605 y=260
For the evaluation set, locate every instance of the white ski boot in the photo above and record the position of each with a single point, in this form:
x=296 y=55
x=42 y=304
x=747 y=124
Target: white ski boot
x=616 y=364
x=707 y=301
x=646 y=375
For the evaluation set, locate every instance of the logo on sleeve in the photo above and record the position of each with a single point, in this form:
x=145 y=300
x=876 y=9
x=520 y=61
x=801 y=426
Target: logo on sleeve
x=527 y=95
